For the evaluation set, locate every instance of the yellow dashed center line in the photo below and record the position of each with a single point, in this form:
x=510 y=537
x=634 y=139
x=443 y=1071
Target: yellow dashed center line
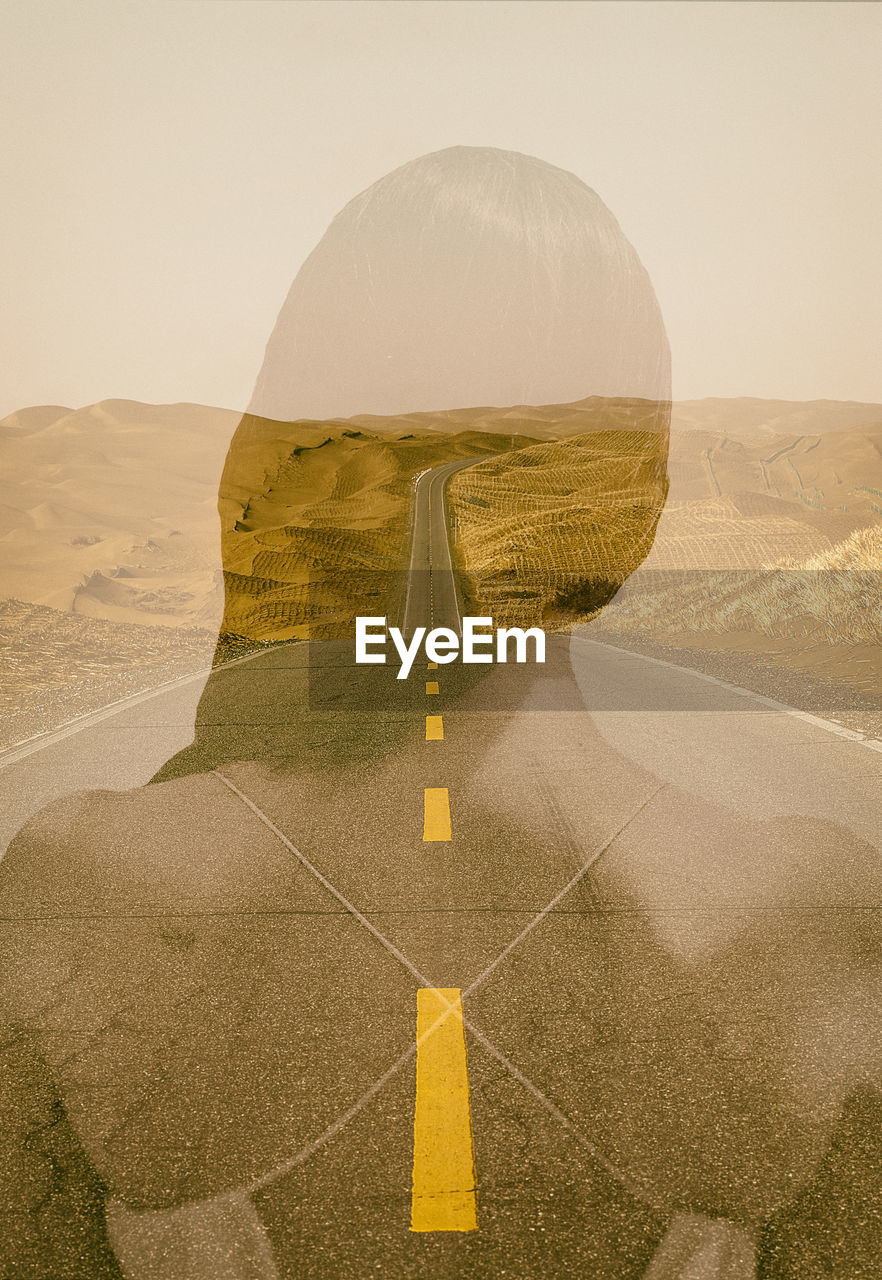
x=436 y=820
x=444 y=1194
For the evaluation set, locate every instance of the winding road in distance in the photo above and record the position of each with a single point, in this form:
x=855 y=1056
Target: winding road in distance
x=431 y=598
x=631 y=877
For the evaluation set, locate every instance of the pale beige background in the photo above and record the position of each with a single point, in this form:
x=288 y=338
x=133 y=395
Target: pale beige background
x=167 y=166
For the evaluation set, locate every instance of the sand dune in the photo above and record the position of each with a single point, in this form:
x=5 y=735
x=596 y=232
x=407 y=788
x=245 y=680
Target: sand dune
x=26 y=421
x=749 y=505
x=828 y=471
x=731 y=504
x=535 y=525
x=749 y=415
x=541 y=422
x=110 y=511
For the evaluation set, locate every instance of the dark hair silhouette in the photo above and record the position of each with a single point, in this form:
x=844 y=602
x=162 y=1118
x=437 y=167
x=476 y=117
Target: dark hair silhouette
x=471 y=276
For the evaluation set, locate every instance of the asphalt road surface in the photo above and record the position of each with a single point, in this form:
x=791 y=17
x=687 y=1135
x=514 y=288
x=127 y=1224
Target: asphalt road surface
x=573 y=969
x=431 y=596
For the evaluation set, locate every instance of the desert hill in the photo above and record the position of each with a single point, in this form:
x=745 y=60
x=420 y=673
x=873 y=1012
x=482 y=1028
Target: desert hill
x=826 y=471
x=749 y=415
x=743 y=417
x=764 y=566
x=816 y=620
x=541 y=422
x=35 y=418
x=768 y=546
x=731 y=504
x=533 y=524
x=739 y=504
x=110 y=511
x=110 y=541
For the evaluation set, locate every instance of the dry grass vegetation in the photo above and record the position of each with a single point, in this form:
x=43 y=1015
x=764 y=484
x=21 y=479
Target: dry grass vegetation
x=789 y=546
x=832 y=597
x=548 y=533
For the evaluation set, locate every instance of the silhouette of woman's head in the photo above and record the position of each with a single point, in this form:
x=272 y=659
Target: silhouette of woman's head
x=470 y=276
x=470 y=285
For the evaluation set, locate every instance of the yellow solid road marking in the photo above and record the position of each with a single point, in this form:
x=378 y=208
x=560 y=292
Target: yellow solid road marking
x=444 y=1194
x=434 y=728
x=433 y=666
x=431 y=686
x=436 y=820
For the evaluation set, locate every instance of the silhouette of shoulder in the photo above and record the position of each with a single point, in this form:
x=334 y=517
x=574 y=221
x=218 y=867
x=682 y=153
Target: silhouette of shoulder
x=183 y=845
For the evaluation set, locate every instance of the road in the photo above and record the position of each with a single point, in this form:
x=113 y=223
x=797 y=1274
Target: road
x=431 y=597
x=655 y=907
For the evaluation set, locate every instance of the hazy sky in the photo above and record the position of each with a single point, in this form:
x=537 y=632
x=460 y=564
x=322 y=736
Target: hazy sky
x=169 y=165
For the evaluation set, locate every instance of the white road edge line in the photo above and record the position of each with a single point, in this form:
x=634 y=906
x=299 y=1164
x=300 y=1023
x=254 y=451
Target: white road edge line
x=29 y=746
x=450 y=550
x=851 y=735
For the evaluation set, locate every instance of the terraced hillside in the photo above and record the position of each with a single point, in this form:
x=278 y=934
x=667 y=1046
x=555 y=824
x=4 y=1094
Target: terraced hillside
x=831 y=472
x=548 y=534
